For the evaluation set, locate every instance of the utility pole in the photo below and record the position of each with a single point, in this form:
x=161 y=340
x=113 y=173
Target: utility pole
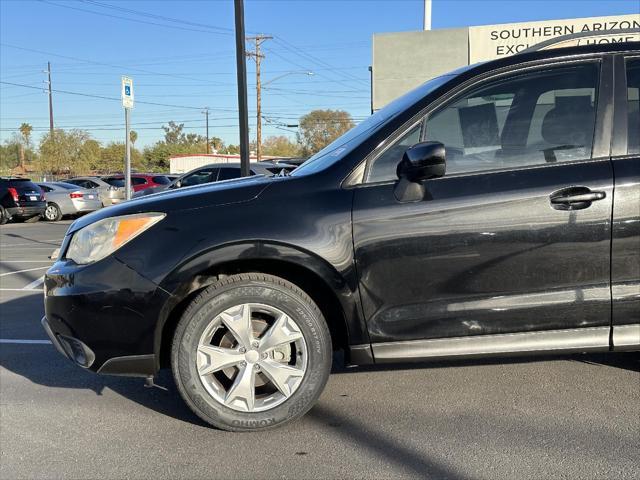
x=257 y=56
x=50 y=99
x=206 y=114
x=241 y=70
x=427 y=15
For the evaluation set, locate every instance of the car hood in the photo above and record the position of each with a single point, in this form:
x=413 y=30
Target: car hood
x=200 y=196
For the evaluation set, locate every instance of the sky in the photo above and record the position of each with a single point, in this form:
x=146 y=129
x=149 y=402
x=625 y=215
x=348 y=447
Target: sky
x=181 y=55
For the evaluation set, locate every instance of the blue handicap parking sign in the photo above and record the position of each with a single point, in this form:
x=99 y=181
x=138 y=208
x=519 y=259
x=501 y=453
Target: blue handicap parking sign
x=127 y=90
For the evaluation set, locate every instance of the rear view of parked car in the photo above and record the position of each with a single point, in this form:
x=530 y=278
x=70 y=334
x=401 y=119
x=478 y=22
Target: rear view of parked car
x=68 y=199
x=20 y=199
x=109 y=194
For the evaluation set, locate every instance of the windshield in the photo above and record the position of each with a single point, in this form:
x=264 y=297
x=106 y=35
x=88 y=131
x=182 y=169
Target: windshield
x=347 y=142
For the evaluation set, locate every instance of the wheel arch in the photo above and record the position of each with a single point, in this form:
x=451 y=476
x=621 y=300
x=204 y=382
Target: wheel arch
x=335 y=293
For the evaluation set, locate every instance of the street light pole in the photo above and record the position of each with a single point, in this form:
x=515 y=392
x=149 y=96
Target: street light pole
x=241 y=70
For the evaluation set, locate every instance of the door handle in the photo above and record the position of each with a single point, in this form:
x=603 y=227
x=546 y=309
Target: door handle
x=575 y=198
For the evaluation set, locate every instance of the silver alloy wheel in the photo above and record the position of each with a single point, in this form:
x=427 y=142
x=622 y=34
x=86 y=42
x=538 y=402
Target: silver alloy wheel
x=251 y=357
x=51 y=213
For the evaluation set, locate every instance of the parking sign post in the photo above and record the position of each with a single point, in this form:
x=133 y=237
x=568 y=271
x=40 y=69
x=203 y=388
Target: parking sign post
x=127 y=103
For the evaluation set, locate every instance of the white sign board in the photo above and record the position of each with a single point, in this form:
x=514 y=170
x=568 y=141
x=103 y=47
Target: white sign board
x=494 y=41
x=127 y=92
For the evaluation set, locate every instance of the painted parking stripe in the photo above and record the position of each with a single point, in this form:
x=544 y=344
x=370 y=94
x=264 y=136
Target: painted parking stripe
x=25 y=342
x=20 y=290
x=32 y=243
x=22 y=271
x=27 y=261
x=35 y=284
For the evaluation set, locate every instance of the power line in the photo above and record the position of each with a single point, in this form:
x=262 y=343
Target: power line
x=85 y=60
x=223 y=30
x=129 y=19
x=102 y=97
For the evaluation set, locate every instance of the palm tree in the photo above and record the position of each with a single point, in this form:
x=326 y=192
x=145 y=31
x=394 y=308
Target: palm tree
x=133 y=136
x=25 y=130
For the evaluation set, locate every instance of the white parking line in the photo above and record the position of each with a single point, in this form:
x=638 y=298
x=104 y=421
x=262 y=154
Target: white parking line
x=31 y=243
x=20 y=290
x=36 y=283
x=22 y=271
x=48 y=260
x=28 y=342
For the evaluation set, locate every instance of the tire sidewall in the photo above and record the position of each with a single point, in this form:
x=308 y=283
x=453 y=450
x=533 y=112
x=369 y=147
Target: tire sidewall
x=215 y=300
x=57 y=210
x=4 y=216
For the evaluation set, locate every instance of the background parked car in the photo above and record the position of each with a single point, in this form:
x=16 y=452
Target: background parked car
x=20 y=199
x=68 y=199
x=109 y=194
x=216 y=172
x=139 y=181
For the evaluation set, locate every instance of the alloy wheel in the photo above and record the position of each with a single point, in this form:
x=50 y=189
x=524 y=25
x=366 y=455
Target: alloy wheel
x=51 y=213
x=251 y=357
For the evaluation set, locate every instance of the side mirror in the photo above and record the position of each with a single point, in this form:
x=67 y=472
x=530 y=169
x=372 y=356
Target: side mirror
x=178 y=184
x=422 y=161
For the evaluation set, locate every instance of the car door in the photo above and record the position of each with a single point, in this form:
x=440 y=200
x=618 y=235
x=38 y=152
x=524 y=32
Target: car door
x=625 y=249
x=515 y=237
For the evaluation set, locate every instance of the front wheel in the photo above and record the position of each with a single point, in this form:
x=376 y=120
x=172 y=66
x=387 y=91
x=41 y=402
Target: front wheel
x=252 y=351
x=4 y=216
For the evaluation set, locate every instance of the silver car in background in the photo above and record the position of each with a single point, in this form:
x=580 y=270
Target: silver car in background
x=109 y=194
x=68 y=199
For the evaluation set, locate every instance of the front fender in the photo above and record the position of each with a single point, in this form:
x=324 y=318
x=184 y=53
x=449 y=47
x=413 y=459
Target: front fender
x=192 y=274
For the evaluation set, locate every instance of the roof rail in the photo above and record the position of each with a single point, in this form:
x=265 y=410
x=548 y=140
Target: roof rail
x=557 y=41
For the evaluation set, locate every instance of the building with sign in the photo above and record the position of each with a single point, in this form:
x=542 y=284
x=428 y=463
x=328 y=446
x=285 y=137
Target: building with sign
x=402 y=61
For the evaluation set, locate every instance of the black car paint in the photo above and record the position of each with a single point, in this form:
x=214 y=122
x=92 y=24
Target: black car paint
x=119 y=306
x=24 y=207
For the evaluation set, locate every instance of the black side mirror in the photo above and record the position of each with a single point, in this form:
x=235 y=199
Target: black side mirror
x=178 y=184
x=422 y=161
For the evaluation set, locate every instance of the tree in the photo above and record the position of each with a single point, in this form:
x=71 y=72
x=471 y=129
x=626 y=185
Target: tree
x=112 y=158
x=62 y=152
x=280 y=146
x=319 y=128
x=91 y=155
x=133 y=136
x=25 y=130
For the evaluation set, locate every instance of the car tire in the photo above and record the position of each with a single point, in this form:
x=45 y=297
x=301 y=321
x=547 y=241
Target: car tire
x=52 y=213
x=4 y=216
x=286 y=380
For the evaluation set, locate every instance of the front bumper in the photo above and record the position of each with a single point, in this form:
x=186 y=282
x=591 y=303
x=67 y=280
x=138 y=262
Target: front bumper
x=103 y=316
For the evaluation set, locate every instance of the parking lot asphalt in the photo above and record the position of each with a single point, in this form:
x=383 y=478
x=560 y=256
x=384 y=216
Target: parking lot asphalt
x=574 y=416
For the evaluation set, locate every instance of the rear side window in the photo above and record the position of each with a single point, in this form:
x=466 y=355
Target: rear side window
x=161 y=180
x=45 y=188
x=227 y=173
x=633 y=110
x=115 y=182
x=137 y=181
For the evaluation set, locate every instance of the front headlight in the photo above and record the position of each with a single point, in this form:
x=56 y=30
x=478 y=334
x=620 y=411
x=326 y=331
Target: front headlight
x=96 y=241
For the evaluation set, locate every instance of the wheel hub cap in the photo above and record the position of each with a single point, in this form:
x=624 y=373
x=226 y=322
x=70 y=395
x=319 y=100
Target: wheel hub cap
x=251 y=357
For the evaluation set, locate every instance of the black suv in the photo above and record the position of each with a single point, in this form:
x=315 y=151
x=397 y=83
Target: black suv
x=20 y=199
x=491 y=211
